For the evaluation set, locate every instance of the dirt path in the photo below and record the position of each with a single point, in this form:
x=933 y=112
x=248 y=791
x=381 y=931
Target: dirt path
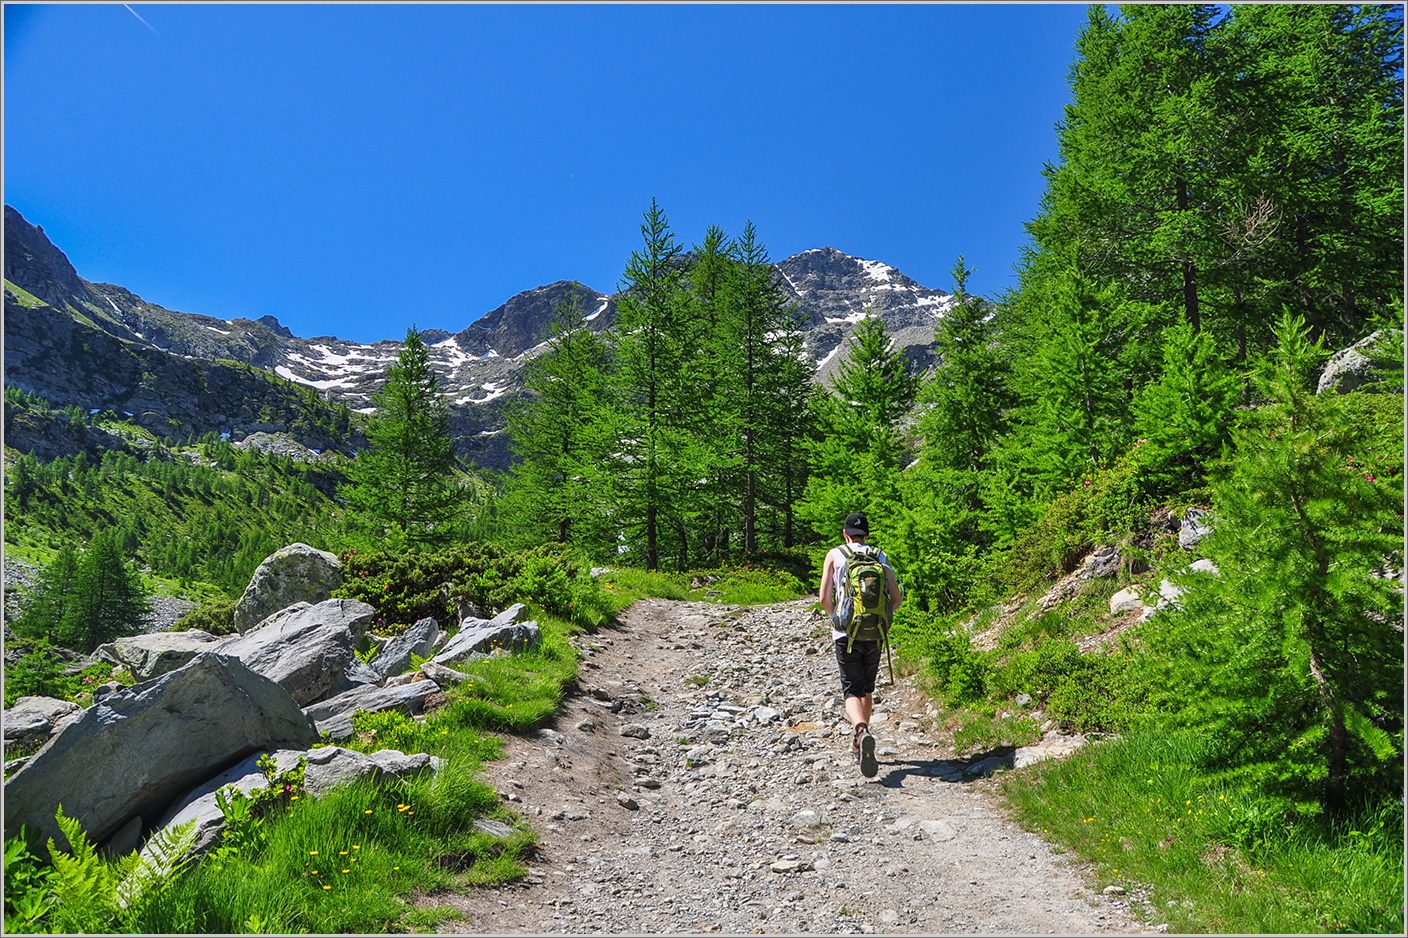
x=670 y=804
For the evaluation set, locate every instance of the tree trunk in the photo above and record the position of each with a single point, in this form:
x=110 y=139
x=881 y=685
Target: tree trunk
x=1190 y=270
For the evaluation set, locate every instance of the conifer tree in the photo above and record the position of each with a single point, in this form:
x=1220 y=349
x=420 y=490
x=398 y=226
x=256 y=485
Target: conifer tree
x=557 y=490
x=47 y=603
x=405 y=481
x=1324 y=84
x=653 y=403
x=858 y=453
x=108 y=599
x=1184 y=419
x=1291 y=655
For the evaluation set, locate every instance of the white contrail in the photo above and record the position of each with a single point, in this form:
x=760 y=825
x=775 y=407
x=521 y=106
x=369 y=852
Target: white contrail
x=139 y=16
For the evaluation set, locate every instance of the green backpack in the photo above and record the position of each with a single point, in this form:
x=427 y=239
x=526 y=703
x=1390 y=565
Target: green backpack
x=865 y=609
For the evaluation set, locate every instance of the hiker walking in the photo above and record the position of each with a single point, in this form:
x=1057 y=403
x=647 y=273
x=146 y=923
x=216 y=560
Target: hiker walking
x=860 y=591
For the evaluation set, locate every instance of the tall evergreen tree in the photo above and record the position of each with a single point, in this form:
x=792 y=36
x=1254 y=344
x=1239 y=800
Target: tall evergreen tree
x=1325 y=86
x=1291 y=656
x=965 y=399
x=108 y=599
x=653 y=404
x=557 y=490
x=48 y=602
x=1076 y=346
x=405 y=484
x=1184 y=419
x=859 y=451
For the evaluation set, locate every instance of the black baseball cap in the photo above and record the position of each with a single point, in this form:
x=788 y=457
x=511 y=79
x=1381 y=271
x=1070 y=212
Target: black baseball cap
x=856 y=525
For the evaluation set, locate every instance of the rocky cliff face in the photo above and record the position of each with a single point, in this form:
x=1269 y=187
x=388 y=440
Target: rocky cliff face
x=99 y=346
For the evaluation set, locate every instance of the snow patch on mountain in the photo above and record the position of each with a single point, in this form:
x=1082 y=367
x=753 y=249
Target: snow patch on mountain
x=285 y=372
x=605 y=302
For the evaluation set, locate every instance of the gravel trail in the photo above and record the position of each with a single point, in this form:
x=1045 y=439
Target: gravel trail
x=668 y=803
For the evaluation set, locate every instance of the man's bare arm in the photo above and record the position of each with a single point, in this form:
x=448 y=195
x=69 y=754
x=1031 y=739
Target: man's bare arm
x=824 y=593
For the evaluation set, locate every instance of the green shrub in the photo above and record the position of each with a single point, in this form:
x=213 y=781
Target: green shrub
x=405 y=587
x=217 y=618
x=957 y=670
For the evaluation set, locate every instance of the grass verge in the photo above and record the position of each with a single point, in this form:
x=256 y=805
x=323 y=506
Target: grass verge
x=1212 y=858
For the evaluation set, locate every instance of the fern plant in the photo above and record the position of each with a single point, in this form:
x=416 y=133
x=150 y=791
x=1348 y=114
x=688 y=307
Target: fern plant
x=94 y=895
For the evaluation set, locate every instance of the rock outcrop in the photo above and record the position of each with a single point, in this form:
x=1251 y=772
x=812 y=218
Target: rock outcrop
x=305 y=652
x=505 y=631
x=156 y=653
x=132 y=754
x=419 y=639
x=1362 y=363
x=292 y=574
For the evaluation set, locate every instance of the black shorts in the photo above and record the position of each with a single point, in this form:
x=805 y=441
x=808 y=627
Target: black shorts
x=859 y=667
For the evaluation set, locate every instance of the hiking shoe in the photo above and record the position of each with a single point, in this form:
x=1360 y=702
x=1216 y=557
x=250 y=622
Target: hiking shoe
x=868 y=765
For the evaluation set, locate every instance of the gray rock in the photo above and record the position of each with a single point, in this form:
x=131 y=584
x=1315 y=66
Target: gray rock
x=504 y=631
x=1204 y=566
x=418 y=639
x=154 y=654
x=445 y=677
x=358 y=674
x=34 y=719
x=330 y=766
x=334 y=715
x=200 y=803
x=1193 y=528
x=137 y=751
x=306 y=652
x=1126 y=600
x=126 y=840
x=492 y=827
x=637 y=730
x=1105 y=561
x=296 y=573
x=1362 y=363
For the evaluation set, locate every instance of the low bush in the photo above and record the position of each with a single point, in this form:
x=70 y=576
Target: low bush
x=217 y=618
x=405 y=587
x=40 y=673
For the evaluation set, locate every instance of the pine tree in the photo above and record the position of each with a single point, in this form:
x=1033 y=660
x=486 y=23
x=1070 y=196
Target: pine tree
x=48 y=602
x=966 y=396
x=406 y=480
x=1325 y=86
x=108 y=599
x=1291 y=656
x=1184 y=419
x=654 y=404
x=1075 y=346
x=557 y=491
x=858 y=454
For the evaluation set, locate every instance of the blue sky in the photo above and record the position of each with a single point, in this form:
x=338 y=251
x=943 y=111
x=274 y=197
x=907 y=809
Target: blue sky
x=356 y=169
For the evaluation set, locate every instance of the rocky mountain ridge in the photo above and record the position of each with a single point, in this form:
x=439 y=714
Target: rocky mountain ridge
x=99 y=346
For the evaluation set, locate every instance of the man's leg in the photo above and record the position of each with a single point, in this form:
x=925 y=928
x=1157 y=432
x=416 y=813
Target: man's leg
x=858 y=709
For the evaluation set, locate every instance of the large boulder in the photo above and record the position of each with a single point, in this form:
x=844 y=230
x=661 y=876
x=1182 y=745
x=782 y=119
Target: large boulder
x=296 y=573
x=135 y=752
x=306 y=651
x=1362 y=363
x=418 y=639
x=201 y=805
x=34 y=719
x=154 y=654
x=504 y=631
x=334 y=715
x=329 y=766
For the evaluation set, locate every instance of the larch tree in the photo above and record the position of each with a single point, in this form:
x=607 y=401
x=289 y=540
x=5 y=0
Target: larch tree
x=404 y=484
